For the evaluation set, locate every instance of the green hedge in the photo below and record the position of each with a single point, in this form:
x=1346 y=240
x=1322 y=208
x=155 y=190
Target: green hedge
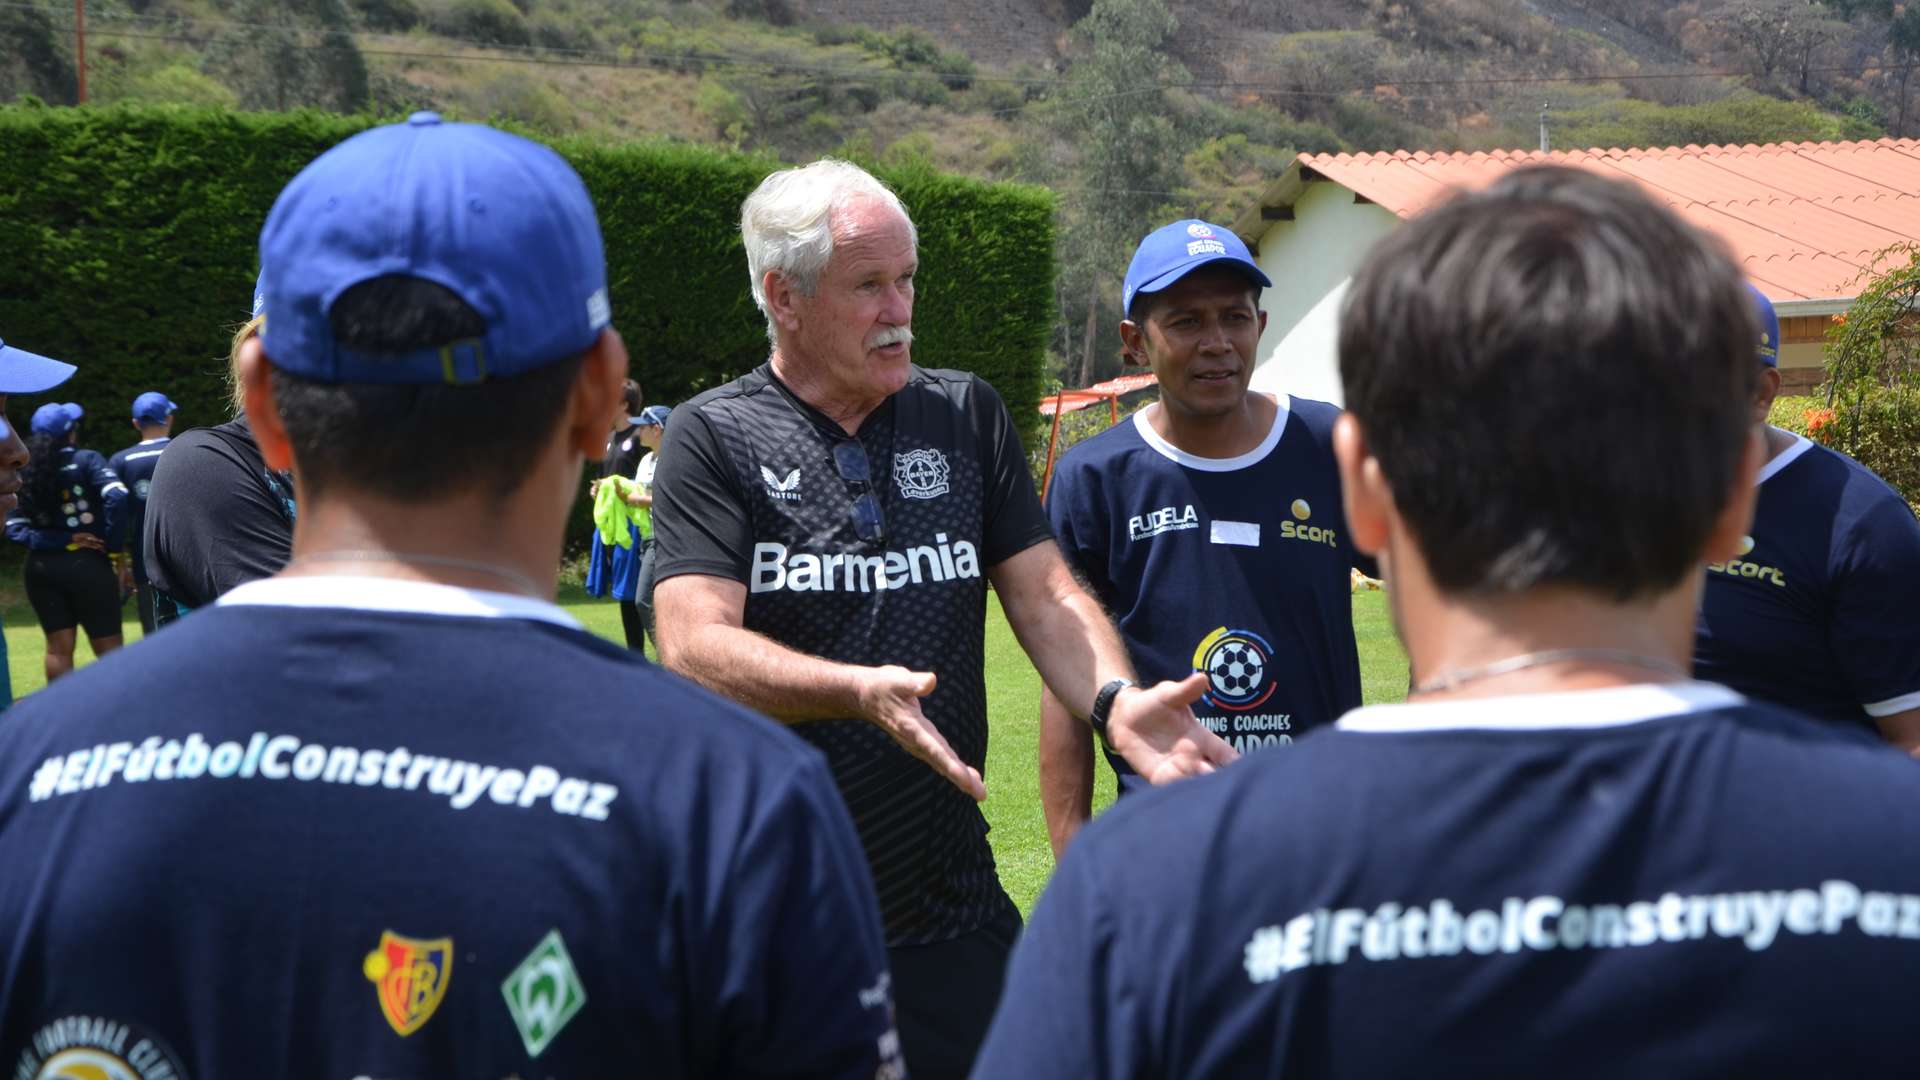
x=128 y=246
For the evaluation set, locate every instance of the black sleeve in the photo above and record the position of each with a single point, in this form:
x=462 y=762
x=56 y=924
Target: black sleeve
x=1014 y=518
x=212 y=524
x=701 y=523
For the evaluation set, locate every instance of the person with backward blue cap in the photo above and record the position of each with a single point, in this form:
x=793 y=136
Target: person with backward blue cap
x=1820 y=610
x=458 y=834
x=69 y=518
x=153 y=418
x=21 y=372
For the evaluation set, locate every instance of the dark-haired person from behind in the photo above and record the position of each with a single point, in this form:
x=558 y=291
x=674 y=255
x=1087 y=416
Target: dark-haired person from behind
x=458 y=834
x=612 y=569
x=1561 y=856
x=153 y=419
x=69 y=520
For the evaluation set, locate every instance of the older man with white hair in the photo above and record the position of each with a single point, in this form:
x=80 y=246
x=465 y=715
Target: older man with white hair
x=827 y=526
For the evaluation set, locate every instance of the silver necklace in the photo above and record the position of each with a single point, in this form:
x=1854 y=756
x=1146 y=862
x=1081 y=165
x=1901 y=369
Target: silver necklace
x=522 y=583
x=1461 y=676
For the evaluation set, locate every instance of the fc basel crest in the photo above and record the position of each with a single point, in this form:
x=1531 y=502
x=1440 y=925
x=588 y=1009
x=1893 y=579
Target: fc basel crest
x=410 y=977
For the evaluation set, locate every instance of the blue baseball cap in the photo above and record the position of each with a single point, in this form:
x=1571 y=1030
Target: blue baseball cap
x=503 y=222
x=1171 y=252
x=153 y=407
x=22 y=372
x=1769 y=327
x=260 y=295
x=655 y=415
x=56 y=418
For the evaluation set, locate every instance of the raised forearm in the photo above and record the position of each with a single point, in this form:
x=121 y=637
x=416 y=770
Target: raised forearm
x=1066 y=771
x=763 y=674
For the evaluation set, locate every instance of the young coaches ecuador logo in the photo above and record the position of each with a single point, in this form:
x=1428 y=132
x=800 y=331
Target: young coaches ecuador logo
x=410 y=977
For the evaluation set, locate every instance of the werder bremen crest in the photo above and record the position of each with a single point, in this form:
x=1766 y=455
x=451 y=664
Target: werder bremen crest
x=921 y=474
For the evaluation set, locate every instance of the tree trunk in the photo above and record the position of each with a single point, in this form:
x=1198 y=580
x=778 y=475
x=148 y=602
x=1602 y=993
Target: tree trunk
x=1093 y=336
x=1900 y=126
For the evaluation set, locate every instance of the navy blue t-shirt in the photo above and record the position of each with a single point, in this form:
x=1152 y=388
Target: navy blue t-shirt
x=298 y=835
x=1640 y=881
x=1821 y=611
x=135 y=466
x=1237 y=567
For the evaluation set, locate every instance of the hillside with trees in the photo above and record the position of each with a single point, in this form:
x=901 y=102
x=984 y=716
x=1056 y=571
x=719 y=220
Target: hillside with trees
x=1129 y=111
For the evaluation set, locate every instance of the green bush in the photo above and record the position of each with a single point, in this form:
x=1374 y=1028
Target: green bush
x=131 y=238
x=493 y=22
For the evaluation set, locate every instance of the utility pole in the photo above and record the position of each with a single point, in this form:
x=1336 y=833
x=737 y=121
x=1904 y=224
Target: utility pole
x=1544 y=106
x=80 y=45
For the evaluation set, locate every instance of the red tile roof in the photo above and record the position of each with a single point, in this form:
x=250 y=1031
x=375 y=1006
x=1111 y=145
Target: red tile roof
x=1805 y=219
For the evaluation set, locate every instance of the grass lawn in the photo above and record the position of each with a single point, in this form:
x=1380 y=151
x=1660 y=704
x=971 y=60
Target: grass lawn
x=1013 y=696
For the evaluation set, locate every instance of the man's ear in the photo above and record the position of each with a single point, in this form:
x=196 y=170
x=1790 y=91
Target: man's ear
x=1133 y=342
x=263 y=411
x=1730 y=529
x=599 y=394
x=1364 y=491
x=782 y=300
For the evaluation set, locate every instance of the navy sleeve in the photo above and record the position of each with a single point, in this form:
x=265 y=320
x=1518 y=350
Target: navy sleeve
x=700 y=516
x=1066 y=1009
x=1874 y=622
x=1072 y=509
x=20 y=530
x=211 y=524
x=102 y=477
x=1014 y=519
x=803 y=985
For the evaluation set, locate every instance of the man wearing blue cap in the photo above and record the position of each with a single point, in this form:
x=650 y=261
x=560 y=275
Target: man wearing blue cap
x=1560 y=856
x=153 y=419
x=1209 y=523
x=21 y=372
x=454 y=833
x=1820 y=609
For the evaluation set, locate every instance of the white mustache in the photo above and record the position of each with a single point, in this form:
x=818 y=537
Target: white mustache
x=894 y=335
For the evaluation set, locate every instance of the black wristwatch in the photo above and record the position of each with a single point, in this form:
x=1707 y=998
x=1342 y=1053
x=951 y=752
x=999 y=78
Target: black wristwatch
x=1103 y=704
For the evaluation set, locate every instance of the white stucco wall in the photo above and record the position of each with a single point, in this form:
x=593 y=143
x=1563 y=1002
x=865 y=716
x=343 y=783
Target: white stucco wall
x=1308 y=258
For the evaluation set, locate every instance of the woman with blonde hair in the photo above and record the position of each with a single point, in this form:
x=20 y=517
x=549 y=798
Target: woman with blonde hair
x=217 y=516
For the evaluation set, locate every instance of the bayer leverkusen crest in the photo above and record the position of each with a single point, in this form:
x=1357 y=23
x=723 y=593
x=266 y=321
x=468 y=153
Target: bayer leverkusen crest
x=410 y=977
x=921 y=474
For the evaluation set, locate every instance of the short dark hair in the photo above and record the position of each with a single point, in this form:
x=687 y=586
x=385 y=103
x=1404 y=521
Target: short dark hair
x=1555 y=375
x=412 y=441
x=630 y=393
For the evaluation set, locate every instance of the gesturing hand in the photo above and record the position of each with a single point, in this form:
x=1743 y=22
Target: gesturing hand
x=1155 y=731
x=890 y=698
x=88 y=542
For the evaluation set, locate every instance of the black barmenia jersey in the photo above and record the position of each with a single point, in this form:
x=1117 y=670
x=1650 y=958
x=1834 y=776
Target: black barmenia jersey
x=748 y=489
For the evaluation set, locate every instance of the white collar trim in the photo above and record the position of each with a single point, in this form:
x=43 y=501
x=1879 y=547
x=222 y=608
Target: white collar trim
x=1612 y=707
x=1801 y=444
x=1207 y=464
x=359 y=593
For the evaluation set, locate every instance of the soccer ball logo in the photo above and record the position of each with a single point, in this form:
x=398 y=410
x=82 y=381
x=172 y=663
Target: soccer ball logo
x=1235 y=663
x=1199 y=229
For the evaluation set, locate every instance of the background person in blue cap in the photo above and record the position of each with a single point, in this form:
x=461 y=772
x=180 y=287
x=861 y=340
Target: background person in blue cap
x=1561 y=856
x=1819 y=610
x=1209 y=523
x=459 y=834
x=153 y=419
x=69 y=518
x=217 y=516
x=21 y=372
